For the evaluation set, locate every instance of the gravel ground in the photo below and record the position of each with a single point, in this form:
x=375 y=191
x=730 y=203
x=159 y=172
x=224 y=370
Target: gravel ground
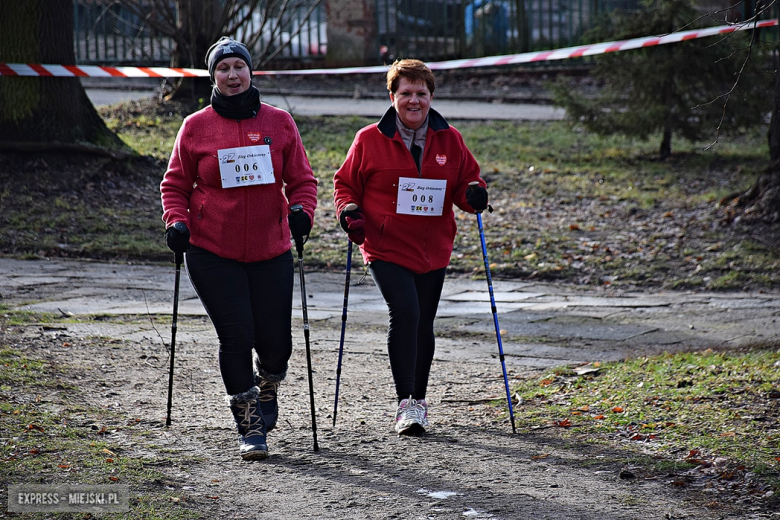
x=469 y=464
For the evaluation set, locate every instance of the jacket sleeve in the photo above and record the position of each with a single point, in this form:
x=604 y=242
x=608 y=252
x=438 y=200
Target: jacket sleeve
x=348 y=181
x=178 y=181
x=468 y=172
x=300 y=184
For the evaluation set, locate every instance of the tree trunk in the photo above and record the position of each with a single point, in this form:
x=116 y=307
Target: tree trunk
x=196 y=31
x=774 y=123
x=43 y=109
x=762 y=199
x=666 y=141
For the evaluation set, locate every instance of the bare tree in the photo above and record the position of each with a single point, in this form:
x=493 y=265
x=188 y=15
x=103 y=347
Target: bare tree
x=194 y=25
x=762 y=199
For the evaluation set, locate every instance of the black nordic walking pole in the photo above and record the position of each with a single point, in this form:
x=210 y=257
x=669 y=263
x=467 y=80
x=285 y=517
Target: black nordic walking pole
x=299 y=247
x=495 y=317
x=179 y=258
x=349 y=207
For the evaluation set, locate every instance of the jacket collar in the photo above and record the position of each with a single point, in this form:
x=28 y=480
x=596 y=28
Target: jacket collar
x=387 y=125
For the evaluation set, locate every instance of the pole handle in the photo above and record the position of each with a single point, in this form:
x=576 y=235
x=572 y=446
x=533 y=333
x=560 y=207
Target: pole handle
x=297 y=208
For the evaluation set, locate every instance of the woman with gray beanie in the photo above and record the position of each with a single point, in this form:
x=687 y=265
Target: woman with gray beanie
x=236 y=169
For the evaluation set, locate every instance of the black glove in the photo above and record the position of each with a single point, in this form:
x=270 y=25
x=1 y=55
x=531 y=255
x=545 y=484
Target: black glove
x=177 y=237
x=353 y=222
x=477 y=197
x=300 y=225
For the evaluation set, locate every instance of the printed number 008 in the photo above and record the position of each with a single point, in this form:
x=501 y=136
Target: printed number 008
x=422 y=198
x=246 y=167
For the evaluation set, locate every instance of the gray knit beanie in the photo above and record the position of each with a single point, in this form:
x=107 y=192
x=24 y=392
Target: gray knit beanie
x=226 y=48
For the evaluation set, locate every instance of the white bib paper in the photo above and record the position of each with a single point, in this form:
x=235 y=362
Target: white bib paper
x=420 y=196
x=246 y=166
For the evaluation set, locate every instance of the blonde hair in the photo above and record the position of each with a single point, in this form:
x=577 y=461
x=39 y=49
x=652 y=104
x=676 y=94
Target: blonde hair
x=414 y=71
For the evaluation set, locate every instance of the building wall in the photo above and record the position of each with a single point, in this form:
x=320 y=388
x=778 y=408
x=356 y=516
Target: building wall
x=351 y=33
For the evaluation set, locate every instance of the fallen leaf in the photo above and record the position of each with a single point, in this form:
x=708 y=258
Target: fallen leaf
x=542 y=456
x=114 y=479
x=585 y=408
x=563 y=424
x=64 y=466
x=599 y=417
x=35 y=427
x=34 y=451
x=109 y=460
x=728 y=434
x=586 y=369
x=109 y=452
x=617 y=409
x=545 y=382
x=573 y=227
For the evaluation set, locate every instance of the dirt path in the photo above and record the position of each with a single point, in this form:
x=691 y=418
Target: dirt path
x=470 y=465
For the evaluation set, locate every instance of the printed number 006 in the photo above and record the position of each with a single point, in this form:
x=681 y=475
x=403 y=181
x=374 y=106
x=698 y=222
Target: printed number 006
x=246 y=167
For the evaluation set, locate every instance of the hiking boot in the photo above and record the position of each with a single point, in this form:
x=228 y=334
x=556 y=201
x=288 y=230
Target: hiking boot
x=250 y=424
x=269 y=390
x=269 y=405
x=411 y=417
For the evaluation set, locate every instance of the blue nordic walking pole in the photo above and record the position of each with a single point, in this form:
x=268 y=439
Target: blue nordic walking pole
x=299 y=247
x=343 y=327
x=495 y=318
x=178 y=258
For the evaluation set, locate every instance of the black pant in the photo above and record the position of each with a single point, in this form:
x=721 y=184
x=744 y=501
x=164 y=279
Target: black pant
x=412 y=300
x=250 y=305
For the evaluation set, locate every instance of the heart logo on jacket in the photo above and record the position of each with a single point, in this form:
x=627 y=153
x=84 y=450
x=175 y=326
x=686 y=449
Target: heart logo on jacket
x=441 y=159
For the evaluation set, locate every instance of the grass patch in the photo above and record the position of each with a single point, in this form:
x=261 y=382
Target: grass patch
x=49 y=438
x=690 y=408
x=569 y=205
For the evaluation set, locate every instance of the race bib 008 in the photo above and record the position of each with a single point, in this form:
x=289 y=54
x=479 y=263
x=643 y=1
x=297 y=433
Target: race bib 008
x=423 y=197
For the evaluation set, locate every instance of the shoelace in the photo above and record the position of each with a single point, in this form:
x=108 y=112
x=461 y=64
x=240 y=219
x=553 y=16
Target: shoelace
x=412 y=411
x=268 y=391
x=247 y=421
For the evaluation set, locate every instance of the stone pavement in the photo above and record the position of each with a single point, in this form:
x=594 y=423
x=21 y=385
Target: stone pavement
x=542 y=324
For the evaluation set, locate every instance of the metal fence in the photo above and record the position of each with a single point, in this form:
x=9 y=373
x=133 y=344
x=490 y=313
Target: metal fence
x=106 y=32
x=444 y=29
x=451 y=29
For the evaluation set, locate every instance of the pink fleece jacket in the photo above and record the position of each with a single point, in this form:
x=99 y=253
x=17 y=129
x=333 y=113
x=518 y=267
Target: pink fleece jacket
x=247 y=223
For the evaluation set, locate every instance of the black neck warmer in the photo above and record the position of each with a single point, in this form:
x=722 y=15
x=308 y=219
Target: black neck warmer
x=245 y=105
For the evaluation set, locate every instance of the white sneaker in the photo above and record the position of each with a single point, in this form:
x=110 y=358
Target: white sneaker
x=423 y=405
x=411 y=417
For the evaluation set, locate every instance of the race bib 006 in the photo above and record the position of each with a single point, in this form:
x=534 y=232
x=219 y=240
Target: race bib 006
x=245 y=166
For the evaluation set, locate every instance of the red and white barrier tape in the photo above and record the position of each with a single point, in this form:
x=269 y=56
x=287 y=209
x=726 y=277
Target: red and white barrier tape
x=20 y=69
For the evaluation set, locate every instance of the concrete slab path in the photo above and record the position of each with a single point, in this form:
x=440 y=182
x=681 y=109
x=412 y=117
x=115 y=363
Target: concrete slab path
x=542 y=324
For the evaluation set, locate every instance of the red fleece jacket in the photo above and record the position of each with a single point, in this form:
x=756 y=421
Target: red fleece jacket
x=247 y=223
x=369 y=177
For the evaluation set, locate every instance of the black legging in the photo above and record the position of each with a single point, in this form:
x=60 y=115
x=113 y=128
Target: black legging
x=250 y=305
x=412 y=300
